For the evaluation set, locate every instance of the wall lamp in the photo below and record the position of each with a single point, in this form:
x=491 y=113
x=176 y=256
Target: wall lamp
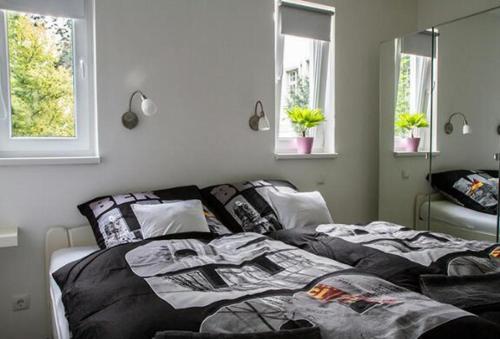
x=448 y=127
x=130 y=119
x=259 y=121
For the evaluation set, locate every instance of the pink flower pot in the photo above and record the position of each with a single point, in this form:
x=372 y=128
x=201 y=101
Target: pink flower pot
x=411 y=144
x=304 y=145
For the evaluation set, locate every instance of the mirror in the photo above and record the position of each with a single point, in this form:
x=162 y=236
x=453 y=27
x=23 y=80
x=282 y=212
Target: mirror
x=439 y=118
x=465 y=174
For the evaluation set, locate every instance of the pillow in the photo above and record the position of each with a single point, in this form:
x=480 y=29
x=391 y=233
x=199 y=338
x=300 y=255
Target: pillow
x=476 y=190
x=300 y=209
x=169 y=218
x=113 y=221
x=245 y=206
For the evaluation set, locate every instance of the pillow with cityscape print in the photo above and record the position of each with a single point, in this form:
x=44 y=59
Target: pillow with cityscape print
x=114 y=222
x=245 y=206
x=476 y=190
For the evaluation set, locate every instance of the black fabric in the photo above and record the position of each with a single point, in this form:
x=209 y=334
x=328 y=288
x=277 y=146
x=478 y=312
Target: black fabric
x=114 y=222
x=389 y=267
x=476 y=190
x=476 y=293
x=465 y=328
x=103 y=281
x=243 y=206
x=301 y=333
x=299 y=237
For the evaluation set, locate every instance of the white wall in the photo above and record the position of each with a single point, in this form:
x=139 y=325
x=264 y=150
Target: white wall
x=435 y=12
x=205 y=63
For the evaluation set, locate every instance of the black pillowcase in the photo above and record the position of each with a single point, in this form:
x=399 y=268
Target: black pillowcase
x=477 y=190
x=244 y=206
x=114 y=222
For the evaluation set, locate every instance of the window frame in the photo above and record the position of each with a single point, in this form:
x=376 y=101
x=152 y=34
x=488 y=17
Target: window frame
x=325 y=133
x=84 y=143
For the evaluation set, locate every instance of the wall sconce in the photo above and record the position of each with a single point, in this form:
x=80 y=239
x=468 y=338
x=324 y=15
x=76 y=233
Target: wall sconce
x=259 y=121
x=130 y=119
x=448 y=127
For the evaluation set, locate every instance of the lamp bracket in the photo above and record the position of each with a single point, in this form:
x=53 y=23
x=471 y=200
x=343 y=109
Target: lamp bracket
x=130 y=120
x=448 y=128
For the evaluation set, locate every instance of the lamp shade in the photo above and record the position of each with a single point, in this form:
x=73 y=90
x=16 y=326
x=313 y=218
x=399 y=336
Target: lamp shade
x=466 y=129
x=148 y=107
x=264 y=124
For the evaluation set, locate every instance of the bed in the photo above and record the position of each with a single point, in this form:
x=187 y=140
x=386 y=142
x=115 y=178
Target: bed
x=206 y=282
x=424 y=317
x=62 y=246
x=448 y=217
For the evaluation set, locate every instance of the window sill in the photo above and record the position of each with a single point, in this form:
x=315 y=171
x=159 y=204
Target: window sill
x=89 y=160
x=414 y=154
x=8 y=237
x=291 y=156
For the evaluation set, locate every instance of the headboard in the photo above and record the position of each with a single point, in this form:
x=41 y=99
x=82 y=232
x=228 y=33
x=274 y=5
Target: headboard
x=63 y=237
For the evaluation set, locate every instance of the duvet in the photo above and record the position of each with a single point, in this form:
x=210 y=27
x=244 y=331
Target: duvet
x=244 y=286
x=443 y=267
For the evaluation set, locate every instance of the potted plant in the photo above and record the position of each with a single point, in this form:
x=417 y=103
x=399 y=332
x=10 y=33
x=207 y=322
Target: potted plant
x=303 y=119
x=408 y=123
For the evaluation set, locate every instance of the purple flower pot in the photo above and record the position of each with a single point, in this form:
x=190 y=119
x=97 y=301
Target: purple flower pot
x=304 y=145
x=411 y=144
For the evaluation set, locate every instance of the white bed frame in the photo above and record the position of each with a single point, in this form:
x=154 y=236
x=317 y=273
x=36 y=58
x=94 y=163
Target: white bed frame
x=442 y=226
x=58 y=238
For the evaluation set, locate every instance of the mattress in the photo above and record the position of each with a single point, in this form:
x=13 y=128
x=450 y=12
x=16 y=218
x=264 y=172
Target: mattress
x=58 y=259
x=462 y=217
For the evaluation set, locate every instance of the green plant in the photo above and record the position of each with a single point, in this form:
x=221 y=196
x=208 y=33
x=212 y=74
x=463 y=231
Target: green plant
x=408 y=122
x=304 y=118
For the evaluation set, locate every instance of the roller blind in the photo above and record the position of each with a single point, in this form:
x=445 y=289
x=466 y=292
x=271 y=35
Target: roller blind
x=306 y=22
x=60 y=8
x=417 y=44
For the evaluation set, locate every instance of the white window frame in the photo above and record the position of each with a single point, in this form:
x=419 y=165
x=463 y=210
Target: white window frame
x=324 y=134
x=84 y=144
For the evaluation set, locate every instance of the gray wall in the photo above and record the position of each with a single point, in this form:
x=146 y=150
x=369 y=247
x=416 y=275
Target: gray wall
x=469 y=82
x=435 y=12
x=205 y=63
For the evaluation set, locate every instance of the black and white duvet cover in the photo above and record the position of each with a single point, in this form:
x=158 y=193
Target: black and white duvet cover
x=241 y=285
x=446 y=268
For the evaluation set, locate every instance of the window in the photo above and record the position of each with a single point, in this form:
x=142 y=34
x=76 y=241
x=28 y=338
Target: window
x=414 y=90
x=46 y=79
x=304 y=72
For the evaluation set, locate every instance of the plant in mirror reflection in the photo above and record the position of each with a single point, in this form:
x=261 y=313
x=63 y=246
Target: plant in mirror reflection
x=408 y=123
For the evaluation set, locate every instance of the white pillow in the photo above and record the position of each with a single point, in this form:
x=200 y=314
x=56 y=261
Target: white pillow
x=299 y=209
x=169 y=218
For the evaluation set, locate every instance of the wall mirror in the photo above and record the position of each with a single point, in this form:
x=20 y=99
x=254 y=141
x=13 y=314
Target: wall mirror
x=439 y=118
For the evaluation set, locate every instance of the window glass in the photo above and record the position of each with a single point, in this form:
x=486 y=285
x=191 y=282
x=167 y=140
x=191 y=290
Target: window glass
x=295 y=87
x=41 y=76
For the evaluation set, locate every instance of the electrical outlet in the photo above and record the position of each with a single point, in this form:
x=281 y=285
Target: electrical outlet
x=21 y=302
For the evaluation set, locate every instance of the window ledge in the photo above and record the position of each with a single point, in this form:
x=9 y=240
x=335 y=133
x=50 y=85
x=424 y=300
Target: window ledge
x=8 y=236
x=80 y=160
x=290 y=156
x=414 y=154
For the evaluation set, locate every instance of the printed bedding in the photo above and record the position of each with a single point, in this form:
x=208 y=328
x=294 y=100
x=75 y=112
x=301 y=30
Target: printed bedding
x=445 y=268
x=244 y=285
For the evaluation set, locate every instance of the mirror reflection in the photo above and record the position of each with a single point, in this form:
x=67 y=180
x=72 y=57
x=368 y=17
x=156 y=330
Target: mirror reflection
x=440 y=117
